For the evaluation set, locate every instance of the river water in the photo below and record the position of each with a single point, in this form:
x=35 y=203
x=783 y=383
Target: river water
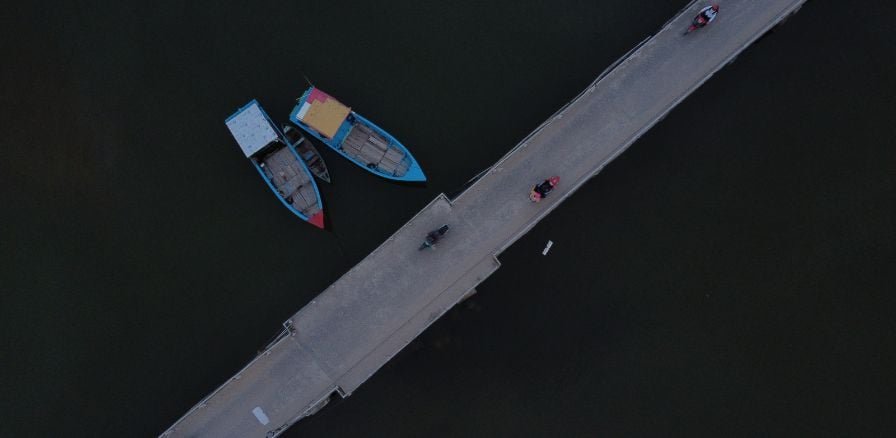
x=731 y=274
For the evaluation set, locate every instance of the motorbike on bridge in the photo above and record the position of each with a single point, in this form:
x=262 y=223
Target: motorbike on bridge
x=705 y=17
x=541 y=190
x=433 y=237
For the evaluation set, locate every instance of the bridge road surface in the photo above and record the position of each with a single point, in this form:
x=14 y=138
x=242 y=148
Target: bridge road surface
x=368 y=315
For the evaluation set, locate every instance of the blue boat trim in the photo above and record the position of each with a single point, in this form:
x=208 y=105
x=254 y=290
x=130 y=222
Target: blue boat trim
x=414 y=172
x=281 y=138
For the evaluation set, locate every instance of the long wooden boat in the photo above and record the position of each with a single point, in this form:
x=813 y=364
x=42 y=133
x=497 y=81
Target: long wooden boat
x=277 y=162
x=354 y=137
x=308 y=152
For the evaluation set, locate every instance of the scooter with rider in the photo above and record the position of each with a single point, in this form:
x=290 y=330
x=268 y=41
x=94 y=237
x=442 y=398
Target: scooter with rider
x=705 y=17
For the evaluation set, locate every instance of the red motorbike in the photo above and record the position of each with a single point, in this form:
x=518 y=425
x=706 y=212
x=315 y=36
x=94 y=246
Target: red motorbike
x=705 y=17
x=541 y=190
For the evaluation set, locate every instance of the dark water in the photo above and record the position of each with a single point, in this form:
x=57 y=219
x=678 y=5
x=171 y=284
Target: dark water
x=728 y=281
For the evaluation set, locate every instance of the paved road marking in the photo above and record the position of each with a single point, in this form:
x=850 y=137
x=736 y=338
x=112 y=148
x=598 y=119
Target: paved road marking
x=261 y=416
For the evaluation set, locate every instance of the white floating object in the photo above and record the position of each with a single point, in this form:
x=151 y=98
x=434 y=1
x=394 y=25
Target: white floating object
x=303 y=110
x=547 y=247
x=261 y=416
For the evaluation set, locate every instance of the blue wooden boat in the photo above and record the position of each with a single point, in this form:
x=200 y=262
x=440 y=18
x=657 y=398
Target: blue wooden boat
x=355 y=137
x=277 y=161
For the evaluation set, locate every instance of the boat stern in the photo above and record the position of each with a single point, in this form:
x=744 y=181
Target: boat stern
x=317 y=219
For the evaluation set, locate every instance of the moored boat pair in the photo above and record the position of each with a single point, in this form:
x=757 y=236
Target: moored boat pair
x=287 y=161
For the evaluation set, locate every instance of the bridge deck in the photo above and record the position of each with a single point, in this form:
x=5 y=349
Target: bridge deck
x=367 y=316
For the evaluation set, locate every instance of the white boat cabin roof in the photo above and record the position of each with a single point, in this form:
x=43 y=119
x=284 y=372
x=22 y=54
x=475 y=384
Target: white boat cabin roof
x=251 y=128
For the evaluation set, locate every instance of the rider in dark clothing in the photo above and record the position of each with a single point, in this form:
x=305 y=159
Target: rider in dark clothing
x=545 y=187
x=435 y=235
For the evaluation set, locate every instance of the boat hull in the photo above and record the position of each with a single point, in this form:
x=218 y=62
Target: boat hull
x=314 y=218
x=278 y=162
x=365 y=144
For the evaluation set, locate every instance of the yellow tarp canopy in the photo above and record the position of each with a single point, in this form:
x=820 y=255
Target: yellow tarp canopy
x=326 y=116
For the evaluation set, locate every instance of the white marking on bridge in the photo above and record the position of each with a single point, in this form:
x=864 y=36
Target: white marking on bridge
x=261 y=416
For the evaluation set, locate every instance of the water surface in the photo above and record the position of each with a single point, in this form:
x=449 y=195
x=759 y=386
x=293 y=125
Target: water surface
x=731 y=274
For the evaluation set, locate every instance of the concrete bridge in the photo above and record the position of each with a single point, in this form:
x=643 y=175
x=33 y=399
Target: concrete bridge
x=343 y=336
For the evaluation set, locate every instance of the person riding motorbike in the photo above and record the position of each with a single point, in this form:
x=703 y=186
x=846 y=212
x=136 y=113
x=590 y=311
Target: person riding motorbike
x=541 y=190
x=710 y=12
x=433 y=236
x=705 y=16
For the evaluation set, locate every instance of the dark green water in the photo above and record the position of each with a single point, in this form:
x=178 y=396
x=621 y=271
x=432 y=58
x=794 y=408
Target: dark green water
x=728 y=281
